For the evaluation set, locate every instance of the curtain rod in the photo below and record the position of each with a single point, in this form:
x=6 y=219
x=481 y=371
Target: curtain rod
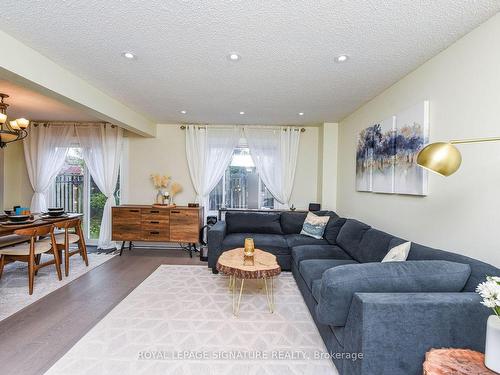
x=302 y=130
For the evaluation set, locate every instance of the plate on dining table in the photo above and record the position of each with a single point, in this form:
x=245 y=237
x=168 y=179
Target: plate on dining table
x=54 y=218
x=17 y=223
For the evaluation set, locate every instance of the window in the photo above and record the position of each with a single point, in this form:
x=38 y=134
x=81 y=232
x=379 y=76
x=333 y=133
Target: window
x=75 y=190
x=241 y=186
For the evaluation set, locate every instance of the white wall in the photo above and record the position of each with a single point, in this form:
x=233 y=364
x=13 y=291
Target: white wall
x=16 y=185
x=166 y=154
x=461 y=212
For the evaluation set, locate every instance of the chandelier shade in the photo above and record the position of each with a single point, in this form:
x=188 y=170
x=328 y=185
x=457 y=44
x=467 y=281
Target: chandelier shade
x=13 y=130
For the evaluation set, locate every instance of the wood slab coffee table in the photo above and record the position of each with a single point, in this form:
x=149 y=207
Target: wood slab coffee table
x=265 y=267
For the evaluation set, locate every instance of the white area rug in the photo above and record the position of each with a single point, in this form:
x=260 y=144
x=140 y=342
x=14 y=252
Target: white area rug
x=180 y=321
x=14 y=282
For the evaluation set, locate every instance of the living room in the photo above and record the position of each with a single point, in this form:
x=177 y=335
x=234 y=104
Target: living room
x=249 y=187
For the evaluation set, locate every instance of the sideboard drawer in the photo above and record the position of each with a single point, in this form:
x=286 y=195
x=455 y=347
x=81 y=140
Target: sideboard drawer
x=155 y=224
x=125 y=232
x=154 y=214
x=126 y=215
x=155 y=235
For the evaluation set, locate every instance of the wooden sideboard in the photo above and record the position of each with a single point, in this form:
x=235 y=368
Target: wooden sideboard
x=157 y=224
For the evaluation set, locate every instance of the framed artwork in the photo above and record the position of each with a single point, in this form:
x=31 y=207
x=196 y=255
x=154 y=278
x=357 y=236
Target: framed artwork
x=386 y=154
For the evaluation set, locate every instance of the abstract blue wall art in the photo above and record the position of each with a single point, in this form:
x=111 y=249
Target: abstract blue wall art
x=386 y=154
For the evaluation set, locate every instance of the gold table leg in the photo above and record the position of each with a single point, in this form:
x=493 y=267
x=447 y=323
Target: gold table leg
x=269 y=296
x=237 y=310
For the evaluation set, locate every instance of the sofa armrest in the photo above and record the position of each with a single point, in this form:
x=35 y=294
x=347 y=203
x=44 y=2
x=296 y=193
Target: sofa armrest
x=215 y=237
x=339 y=284
x=395 y=330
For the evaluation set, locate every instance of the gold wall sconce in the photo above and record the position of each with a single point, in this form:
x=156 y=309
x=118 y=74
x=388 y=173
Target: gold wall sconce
x=443 y=157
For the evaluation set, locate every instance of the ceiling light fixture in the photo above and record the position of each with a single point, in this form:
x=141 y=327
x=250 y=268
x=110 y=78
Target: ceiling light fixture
x=341 y=58
x=234 y=56
x=301 y=113
x=10 y=131
x=128 y=55
x=242 y=113
x=183 y=112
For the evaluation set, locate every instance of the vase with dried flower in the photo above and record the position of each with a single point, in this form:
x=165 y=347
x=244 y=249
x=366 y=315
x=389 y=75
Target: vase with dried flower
x=160 y=183
x=175 y=189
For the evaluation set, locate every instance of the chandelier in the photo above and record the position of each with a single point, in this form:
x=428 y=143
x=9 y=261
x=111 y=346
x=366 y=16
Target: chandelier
x=10 y=131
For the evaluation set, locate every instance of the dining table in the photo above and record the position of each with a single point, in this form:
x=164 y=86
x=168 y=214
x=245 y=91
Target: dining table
x=8 y=237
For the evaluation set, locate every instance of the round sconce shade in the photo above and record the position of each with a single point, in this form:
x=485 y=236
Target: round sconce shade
x=440 y=157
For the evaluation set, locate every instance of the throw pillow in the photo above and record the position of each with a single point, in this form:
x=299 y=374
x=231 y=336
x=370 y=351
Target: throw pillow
x=398 y=253
x=314 y=225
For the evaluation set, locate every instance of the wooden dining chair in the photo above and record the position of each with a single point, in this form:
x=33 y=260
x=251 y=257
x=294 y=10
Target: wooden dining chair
x=72 y=234
x=32 y=251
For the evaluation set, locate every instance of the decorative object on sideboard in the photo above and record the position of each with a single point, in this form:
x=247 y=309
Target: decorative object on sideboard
x=13 y=130
x=314 y=207
x=160 y=183
x=490 y=293
x=248 y=253
x=175 y=189
x=193 y=205
x=386 y=154
x=443 y=157
x=163 y=196
x=292 y=207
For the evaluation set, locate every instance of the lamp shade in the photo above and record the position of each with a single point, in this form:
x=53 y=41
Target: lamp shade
x=22 y=122
x=3 y=118
x=14 y=125
x=440 y=157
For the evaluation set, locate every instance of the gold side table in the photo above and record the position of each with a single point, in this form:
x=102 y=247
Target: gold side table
x=265 y=268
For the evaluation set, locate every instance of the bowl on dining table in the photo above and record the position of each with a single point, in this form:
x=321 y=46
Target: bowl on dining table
x=55 y=213
x=19 y=218
x=55 y=209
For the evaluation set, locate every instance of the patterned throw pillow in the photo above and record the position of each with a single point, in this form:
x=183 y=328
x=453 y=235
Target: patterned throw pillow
x=314 y=225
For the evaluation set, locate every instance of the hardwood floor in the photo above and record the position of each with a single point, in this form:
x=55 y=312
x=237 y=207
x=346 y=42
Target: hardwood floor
x=33 y=339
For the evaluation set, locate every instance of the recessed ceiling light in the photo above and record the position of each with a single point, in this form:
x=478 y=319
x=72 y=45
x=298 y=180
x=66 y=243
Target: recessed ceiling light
x=128 y=55
x=234 y=56
x=242 y=113
x=301 y=113
x=341 y=58
x=183 y=112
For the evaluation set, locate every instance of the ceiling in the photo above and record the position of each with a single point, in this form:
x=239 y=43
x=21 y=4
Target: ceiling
x=34 y=106
x=287 y=51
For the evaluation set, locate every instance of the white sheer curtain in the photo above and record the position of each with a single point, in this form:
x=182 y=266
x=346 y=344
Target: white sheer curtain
x=274 y=152
x=209 y=150
x=45 y=150
x=102 y=149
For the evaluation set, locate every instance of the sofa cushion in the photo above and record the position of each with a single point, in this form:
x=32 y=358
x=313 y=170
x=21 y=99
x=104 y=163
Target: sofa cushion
x=300 y=253
x=292 y=221
x=274 y=243
x=300 y=240
x=332 y=229
x=373 y=247
x=339 y=284
x=253 y=222
x=479 y=270
x=350 y=236
x=312 y=269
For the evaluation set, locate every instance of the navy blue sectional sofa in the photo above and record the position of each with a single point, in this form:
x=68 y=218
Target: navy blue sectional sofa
x=375 y=318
